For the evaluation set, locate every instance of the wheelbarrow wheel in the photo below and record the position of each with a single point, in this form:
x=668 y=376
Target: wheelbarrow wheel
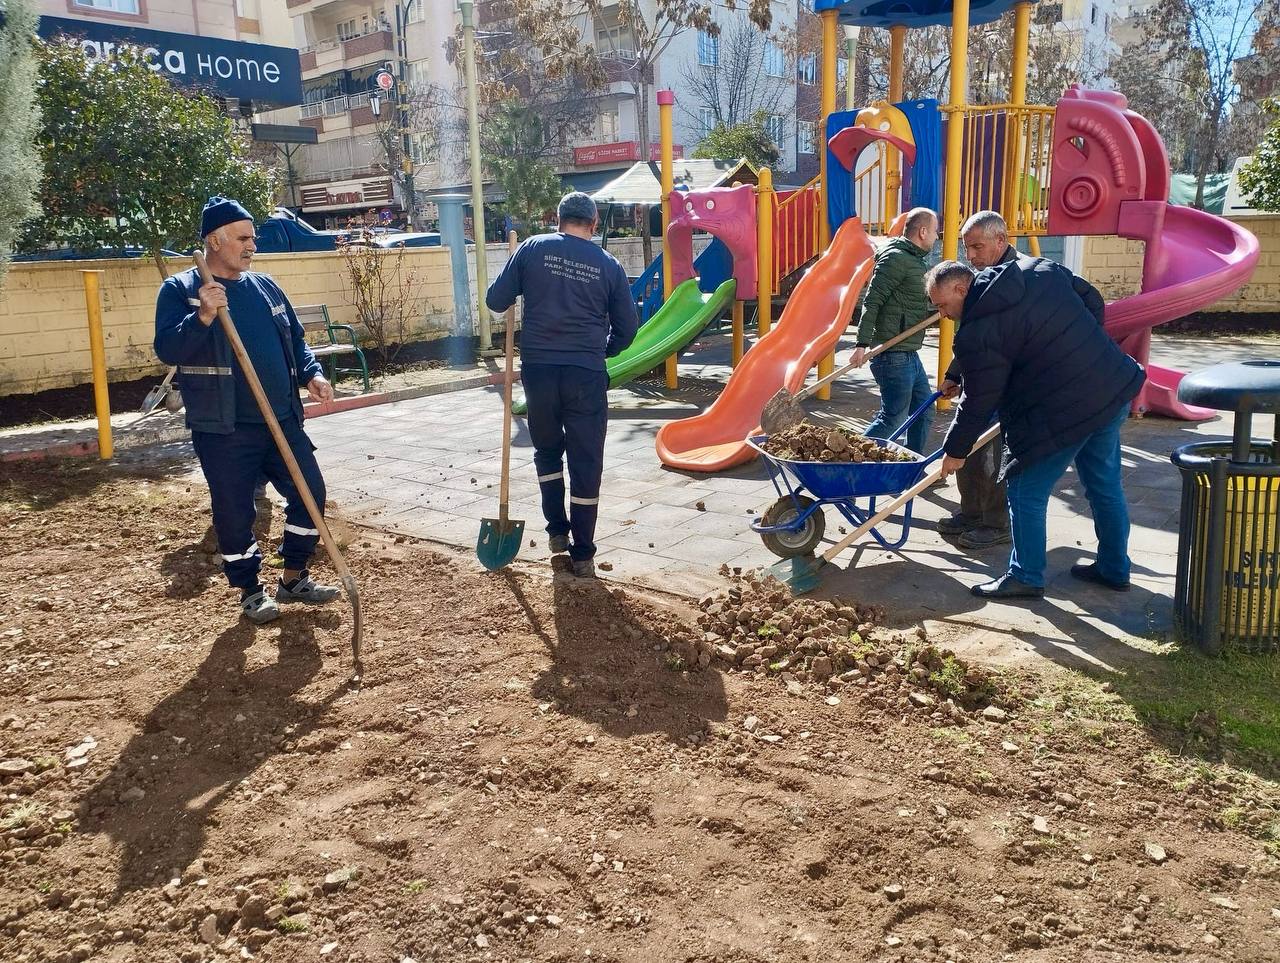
x=803 y=540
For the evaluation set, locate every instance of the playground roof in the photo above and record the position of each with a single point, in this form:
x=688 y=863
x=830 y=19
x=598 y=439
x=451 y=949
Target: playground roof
x=642 y=184
x=910 y=13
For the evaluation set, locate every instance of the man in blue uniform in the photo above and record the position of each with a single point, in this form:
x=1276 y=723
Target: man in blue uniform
x=578 y=311
x=228 y=432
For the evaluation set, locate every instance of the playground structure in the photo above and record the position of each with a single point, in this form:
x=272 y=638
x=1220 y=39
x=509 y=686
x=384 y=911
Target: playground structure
x=1085 y=166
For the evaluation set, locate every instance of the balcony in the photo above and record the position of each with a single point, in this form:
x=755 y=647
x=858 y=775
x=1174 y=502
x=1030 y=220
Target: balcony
x=338 y=114
x=620 y=66
x=337 y=53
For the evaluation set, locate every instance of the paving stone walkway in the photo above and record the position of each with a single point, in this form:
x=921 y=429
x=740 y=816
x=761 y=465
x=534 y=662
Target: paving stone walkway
x=429 y=468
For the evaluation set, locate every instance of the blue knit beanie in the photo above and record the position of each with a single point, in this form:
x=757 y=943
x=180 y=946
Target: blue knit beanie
x=220 y=211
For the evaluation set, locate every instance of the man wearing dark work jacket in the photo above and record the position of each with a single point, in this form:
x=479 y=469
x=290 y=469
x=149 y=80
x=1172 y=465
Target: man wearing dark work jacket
x=1033 y=355
x=983 y=519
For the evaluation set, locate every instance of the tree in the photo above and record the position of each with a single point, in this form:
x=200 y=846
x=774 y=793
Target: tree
x=1197 y=44
x=20 y=166
x=646 y=29
x=1260 y=178
x=129 y=160
x=738 y=86
x=748 y=139
x=517 y=137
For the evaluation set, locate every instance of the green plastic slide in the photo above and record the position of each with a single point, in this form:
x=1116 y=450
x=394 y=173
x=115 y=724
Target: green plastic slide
x=678 y=321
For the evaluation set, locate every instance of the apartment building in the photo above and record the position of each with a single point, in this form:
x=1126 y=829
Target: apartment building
x=225 y=46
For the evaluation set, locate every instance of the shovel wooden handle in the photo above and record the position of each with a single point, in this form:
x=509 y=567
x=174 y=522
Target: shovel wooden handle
x=928 y=479
x=504 y=487
x=877 y=350
x=295 y=472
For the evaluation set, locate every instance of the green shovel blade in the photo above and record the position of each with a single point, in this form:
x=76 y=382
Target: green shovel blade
x=801 y=575
x=498 y=544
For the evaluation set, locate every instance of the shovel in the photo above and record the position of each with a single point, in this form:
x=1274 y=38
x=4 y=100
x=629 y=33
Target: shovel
x=499 y=540
x=783 y=410
x=286 y=453
x=803 y=574
x=157 y=394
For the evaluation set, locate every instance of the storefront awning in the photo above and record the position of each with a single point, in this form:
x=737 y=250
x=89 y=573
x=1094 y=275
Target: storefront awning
x=642 y=183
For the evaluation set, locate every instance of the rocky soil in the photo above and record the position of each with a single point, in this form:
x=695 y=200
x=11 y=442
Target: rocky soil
x=545 y=769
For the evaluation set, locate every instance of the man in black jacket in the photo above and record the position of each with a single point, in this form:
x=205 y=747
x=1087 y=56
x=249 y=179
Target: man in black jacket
x=1031 y=353
x=983 y=519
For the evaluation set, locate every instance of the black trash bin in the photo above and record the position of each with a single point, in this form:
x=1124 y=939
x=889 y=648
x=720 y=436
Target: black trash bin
x=1227 y=591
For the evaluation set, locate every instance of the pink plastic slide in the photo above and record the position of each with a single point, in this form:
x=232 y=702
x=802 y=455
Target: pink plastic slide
x=811 y=324
x=1111 y=176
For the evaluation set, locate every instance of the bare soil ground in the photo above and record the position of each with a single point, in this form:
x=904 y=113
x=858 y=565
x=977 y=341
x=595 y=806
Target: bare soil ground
x=538 y=769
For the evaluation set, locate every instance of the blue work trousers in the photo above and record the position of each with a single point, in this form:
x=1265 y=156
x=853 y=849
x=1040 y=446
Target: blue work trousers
x=233 y=465
x=568 y=416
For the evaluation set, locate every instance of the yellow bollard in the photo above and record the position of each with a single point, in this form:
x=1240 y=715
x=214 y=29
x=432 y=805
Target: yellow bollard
x=101 y=403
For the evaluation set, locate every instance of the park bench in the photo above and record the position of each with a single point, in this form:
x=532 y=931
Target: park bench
x=325 y=340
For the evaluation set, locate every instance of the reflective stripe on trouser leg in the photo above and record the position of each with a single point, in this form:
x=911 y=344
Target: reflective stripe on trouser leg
x=300 y=534
x=231 y=465
x=586 y=419
x=542 y=395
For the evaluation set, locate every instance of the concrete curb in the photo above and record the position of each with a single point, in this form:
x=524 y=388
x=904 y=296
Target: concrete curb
x=80 y=449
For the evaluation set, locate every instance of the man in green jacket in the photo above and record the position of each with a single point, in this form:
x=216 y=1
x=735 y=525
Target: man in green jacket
x=895 y=300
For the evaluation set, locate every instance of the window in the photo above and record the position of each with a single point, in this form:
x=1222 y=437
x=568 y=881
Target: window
x=116 y=6
x=773 y=125
x=804 y=138
x=775 y=60
x=708 y=49
x=611 y=39
x=417 y=73
x=807 y=69
x=707 y=119
x=1093 y=14
x=417 y=12
x=347 y=29
x=609 y=129
x=421 y=147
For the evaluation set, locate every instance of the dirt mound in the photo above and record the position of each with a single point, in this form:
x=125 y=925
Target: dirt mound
x=810 y=442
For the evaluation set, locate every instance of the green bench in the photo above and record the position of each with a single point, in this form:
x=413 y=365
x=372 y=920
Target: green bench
x=326 y=341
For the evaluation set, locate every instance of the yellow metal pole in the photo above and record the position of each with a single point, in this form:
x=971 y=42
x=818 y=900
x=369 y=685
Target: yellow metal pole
x=764 y=251
x=666 y=100
x=892 y=157
x=1015 y=183
x=98 y=352
x=737 y=332
x=955 y=138
x=830 y=53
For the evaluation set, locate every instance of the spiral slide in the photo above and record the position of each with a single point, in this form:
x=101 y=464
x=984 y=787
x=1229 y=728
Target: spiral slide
x=816 y=314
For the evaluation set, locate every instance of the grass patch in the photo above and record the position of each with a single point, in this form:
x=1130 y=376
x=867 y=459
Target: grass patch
x=292 y=924
x=1222 y=707
x=767 y=631
x=20 y=815
x=949 y=678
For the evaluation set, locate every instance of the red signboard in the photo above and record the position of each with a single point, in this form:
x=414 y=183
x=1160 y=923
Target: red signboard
x=626 y=150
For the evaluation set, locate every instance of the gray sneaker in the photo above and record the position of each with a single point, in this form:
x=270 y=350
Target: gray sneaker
x=306 y=589
x=559 y=544
x=979 y=538
x=260 y=607
x=584 y=568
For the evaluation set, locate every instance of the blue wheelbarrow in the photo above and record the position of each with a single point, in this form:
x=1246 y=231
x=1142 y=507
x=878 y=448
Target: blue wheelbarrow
x=793 y=525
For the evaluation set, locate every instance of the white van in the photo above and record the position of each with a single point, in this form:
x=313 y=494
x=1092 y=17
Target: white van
x=1235 y=202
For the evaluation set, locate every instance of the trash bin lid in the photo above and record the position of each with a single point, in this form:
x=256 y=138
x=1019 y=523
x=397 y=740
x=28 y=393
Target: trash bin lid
x=1234 y=386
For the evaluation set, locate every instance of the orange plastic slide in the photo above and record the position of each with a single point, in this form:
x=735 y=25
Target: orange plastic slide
x=811 y=324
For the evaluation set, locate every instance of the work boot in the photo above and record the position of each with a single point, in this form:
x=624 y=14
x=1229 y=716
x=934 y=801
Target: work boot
x=559 y=544
x=306 y=589
x=984 y=537
x=257 y=606
x=584 y=568
x=1007 y=587
x=958 y=524
x=1089 y=573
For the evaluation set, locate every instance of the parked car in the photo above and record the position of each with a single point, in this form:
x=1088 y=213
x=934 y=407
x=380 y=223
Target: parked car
x=71 y=254
x=284 y=233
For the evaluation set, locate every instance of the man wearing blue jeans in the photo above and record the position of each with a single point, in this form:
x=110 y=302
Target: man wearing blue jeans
x=894 y=302
x=578 y=311
x=1032 y=354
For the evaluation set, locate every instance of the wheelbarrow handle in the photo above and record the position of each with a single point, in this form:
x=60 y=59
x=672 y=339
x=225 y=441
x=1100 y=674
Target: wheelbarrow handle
x=902 y=432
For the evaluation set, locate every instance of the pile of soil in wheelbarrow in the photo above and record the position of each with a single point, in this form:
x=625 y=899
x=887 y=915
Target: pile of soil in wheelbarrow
x=810 y=442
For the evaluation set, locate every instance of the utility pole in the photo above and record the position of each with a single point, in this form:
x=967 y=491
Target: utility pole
x=477 y=178
x=402 y=113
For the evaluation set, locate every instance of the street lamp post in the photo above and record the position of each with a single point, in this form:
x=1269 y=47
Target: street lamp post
x=477 y=183
x=402 y=113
